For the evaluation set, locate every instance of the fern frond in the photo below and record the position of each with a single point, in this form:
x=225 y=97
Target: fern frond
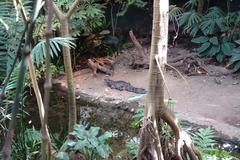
x=204 y=139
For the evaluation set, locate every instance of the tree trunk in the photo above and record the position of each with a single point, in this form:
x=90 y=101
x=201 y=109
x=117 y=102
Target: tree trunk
x=68 y=69
x=155 y=109
x=150 y=146
x=64 y=21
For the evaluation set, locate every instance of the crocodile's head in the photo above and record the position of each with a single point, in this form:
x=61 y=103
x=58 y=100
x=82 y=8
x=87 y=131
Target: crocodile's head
x=106 y=80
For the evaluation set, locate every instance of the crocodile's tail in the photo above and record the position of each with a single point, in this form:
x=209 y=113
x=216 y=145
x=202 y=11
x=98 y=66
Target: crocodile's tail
x=137 y=90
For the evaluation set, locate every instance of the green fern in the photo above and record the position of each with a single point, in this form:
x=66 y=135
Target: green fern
x=10 y=37
x=7 y=103
x=204 y=139
x=9 y=41
x=27 y=143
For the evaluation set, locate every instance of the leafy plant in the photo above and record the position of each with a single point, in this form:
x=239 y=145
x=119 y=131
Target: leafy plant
x=39 y=51
x=86 y=141
x=27 y=144
x=190 y=22
x=5 y=109
x=213 y=21
x=138 y=116
x=218 y=32
x=174 y=13
x=87 y=18
x=204 y=139
x=235 y=57
x=10 y=36
x=214 y=47
x=132 y=147
x=126 y=4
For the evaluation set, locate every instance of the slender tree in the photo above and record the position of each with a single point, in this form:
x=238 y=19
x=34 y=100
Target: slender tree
x=6 y=151
x=64 y=21
x=43 y=107
x=46 y=142
x=155 y=110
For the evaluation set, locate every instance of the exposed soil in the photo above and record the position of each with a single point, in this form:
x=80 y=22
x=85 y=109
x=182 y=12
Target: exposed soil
x=203 y=100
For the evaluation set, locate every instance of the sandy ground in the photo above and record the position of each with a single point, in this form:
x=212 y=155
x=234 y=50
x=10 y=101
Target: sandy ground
x=200 y=99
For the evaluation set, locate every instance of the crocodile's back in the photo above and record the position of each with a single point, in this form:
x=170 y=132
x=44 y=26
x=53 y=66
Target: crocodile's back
x=122 y=85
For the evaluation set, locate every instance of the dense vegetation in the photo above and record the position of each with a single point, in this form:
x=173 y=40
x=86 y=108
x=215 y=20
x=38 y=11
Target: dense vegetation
x=93 y=26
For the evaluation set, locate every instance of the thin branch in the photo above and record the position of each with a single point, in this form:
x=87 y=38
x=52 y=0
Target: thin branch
x=22 y=11
x=57 y=11
x=6 y=151
x=71 y=9
x=46 y=141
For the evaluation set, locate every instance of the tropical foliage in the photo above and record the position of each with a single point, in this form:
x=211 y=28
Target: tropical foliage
x=88 y=141
x=215 y=31
x=27 y=144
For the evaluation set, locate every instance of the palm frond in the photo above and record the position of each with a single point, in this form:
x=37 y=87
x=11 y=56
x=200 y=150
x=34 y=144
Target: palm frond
x=39 y=51
x=190 y=22
x=174 y=12
x=214 y=21
x=10 y=35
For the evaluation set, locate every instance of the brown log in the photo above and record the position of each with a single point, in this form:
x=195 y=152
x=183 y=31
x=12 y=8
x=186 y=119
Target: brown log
x=139 y=59
x=96 y=66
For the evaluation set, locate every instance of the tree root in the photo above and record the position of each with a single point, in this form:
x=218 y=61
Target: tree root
x=183 y=141
x=149 y=138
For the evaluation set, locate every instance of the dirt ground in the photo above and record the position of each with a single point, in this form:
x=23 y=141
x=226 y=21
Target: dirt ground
x=203 y=100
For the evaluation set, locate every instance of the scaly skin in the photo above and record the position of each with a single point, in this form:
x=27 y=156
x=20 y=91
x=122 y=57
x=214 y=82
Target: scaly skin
x=124 y=86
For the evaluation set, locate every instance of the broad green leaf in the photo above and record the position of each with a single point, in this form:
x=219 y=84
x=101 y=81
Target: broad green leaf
x=238 y=41
x=226 y=48
x=203 y=47
x=93 y=131
x=103 y=151
x=214 y=40
x=213 y=50
x=62 y=156
x=220 y=57
x=94 y=141
x=80 y=145
x=237 y=66
x=234 y=58
x=70 y=143
x=105 y=136
x=201 y=39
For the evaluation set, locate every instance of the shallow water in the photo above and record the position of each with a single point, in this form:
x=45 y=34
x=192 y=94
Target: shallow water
x=108 y=119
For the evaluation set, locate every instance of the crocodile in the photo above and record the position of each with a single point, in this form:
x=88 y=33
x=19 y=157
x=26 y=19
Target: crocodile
x=124 y=86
